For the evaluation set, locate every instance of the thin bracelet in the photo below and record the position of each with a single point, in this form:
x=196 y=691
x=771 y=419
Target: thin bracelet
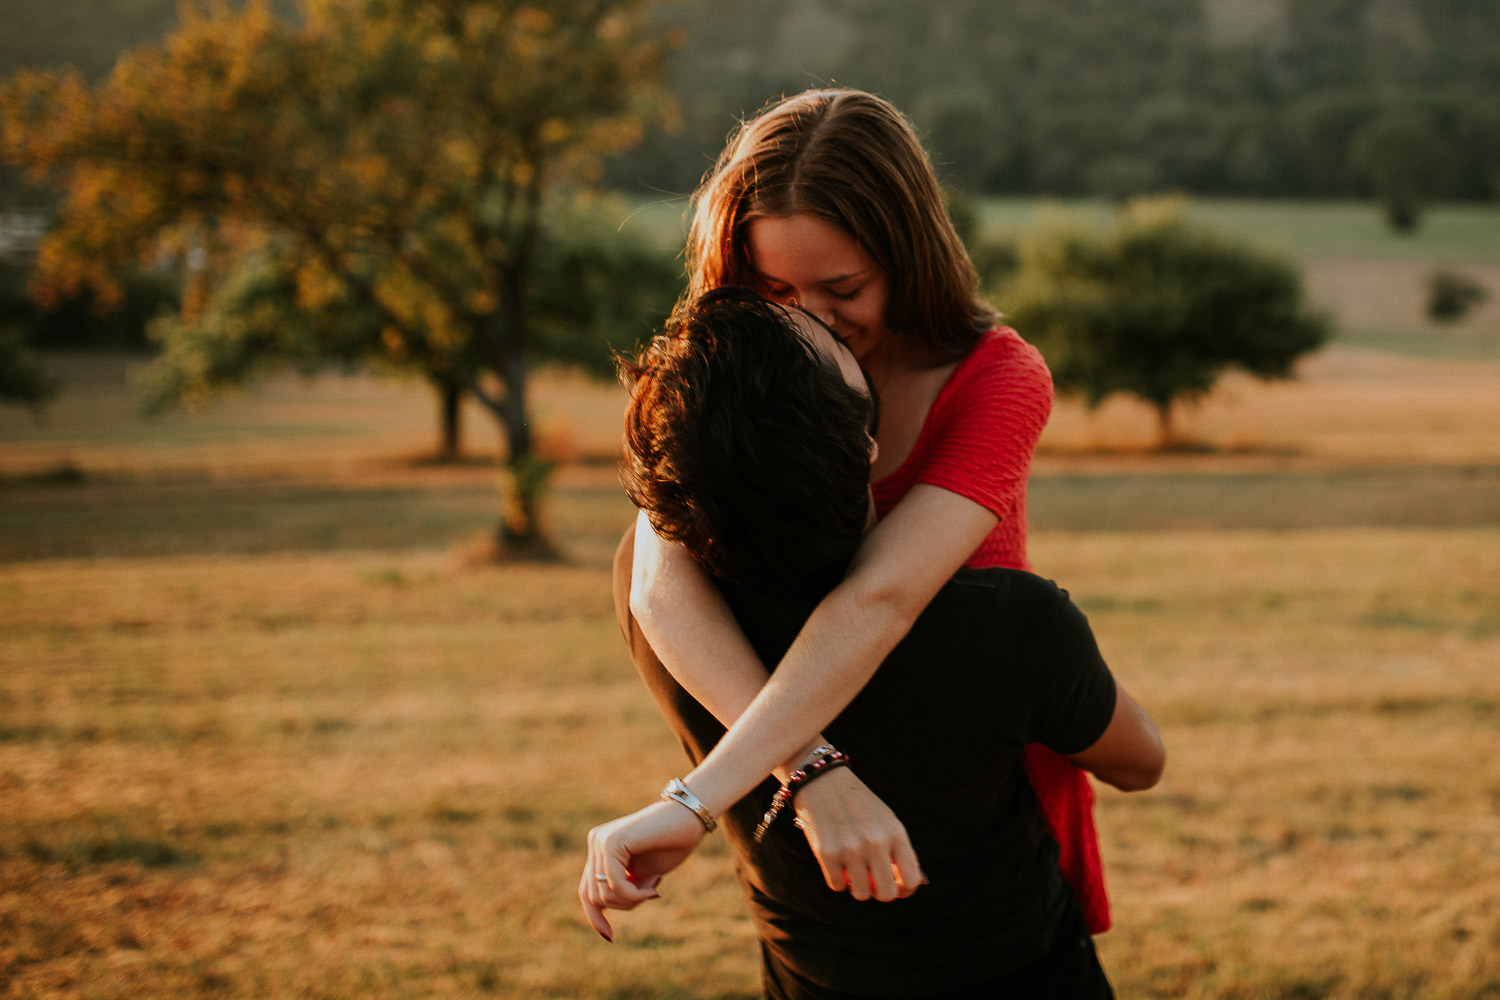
x=676 y=791
x=788 y=791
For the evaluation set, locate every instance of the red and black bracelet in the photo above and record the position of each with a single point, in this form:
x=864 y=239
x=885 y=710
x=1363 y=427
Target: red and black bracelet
x=807 y=771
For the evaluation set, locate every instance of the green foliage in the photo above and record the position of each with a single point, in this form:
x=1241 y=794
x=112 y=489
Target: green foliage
x=598 y=290
x=367 y=182
x=1451 y=294
x=1083 y=96
x=78 y=320
x=253 y=323
x=996 y=260
x=593 y=290
x=22 y=380
x=1029 y=96
x=962 y=212
x=1157 y=308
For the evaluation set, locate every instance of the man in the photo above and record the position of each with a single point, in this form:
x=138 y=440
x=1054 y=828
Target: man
x=748 y=441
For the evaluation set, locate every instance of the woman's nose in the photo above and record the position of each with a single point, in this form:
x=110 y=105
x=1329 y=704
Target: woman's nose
x=820 y=306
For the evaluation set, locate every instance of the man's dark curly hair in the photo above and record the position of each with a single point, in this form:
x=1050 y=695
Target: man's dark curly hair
x=746 y=445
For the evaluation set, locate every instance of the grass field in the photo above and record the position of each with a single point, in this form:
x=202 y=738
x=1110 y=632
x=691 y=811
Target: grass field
x=1448 y=233
x=267 y=728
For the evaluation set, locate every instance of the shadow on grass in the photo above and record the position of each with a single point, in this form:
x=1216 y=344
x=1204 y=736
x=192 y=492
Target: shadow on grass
x=51 y=518
x=85 y=850
x=65 y=518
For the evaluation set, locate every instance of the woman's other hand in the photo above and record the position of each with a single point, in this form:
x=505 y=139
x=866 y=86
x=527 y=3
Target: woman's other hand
x=859 y=843
x=627 y=858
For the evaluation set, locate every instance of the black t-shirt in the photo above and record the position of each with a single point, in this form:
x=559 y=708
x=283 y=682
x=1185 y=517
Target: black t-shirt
x=999 y=659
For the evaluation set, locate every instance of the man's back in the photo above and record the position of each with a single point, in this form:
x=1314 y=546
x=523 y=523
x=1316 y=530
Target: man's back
x=999 y=659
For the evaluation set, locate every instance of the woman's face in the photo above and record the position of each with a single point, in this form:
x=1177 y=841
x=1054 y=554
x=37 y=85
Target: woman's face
x=802 y=260
x=825 y=343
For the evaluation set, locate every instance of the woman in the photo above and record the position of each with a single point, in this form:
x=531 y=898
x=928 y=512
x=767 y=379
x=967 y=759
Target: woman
x=826 y=200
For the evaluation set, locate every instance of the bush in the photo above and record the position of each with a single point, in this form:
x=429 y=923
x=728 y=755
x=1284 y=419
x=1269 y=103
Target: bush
x=22 y=380
x=1451 y=294
x=1157 y=308
x=597 y=290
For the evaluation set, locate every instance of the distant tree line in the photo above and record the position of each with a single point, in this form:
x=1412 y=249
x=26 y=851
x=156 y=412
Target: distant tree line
x=1290 y=98
x=1287 y=98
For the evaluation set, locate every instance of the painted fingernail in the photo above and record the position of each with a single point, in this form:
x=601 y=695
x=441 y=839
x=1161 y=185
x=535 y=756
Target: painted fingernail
x=605 y=936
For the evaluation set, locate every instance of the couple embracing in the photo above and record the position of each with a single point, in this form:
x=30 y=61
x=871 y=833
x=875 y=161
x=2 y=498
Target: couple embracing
x=828 y=585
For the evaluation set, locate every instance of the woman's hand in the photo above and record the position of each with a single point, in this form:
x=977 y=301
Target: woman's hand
x=859 y=843
x=627 y=858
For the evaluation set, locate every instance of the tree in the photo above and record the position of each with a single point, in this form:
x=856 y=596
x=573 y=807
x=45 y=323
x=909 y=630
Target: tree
x=1406 y=163
x=378 y=171
x=1157 y=308
x=593 y=289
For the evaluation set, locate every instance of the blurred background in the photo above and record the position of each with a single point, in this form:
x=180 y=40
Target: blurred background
x=309 y=680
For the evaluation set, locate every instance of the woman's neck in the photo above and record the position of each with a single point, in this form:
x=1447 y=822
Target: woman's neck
x=906 y=395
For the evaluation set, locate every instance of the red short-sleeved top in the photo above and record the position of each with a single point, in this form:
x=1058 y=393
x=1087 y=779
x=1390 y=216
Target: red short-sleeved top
x=978 y=439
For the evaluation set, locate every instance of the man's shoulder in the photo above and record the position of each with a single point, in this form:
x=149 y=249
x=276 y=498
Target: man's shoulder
x=999 y=583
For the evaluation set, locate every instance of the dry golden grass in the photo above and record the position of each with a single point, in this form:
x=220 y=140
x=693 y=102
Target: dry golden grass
x=342 y=773
x=1330 y=820
x=1347 y=406
x=311 y=775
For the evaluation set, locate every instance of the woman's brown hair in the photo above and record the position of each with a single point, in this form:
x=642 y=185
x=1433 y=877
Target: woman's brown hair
x=853 y=161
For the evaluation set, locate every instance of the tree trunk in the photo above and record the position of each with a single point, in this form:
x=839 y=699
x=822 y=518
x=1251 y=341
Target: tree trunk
x=520 y=533
x=450 y=420
x=1166 y=433
x=504 y=334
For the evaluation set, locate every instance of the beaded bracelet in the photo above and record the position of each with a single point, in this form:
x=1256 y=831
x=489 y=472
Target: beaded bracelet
x=813 y=754
x=827 y=760
x=676 y=791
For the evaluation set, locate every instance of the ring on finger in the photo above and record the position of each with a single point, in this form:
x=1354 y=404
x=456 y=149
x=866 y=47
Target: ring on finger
x=602 y=878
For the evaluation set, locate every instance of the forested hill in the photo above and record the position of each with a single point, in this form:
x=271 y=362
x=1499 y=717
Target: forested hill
x=1261 y=97
x=1257 y=97
x=87 y=35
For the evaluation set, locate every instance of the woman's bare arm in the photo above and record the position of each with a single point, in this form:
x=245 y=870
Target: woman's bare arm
x=692 y=631
x=903 y=562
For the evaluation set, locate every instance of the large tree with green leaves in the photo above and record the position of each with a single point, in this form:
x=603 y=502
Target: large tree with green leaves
x=1157 y=307
x=377 y=172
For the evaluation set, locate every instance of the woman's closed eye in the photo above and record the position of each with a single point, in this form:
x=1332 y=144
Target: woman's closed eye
x=786 y=296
